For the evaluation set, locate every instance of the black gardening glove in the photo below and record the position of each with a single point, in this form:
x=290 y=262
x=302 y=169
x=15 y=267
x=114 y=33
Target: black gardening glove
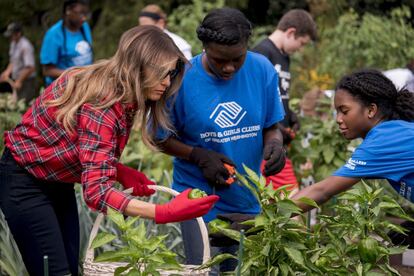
x=275 y=156
x=235 y=219
x=286 y=133
x=289 y=132
x=211 y=164
x=294 y=122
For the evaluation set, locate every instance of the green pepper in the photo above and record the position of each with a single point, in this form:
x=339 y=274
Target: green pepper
x=321 y=262
x=196 y=193
x=368 y=250
x=215 y=225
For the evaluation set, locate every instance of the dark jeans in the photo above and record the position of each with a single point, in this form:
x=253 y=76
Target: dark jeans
x=193 y=248
x=43 y=218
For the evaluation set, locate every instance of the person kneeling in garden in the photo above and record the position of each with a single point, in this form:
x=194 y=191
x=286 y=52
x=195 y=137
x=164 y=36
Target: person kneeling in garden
x=75 y=132
x=369 y=106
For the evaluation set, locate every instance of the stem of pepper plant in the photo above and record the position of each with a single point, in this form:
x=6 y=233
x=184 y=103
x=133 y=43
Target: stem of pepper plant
x=334 y=201
x=240 y=253
x=45 y=265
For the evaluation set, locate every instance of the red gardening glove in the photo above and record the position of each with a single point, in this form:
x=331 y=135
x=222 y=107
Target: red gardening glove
x=182 y=208
x=130 y=178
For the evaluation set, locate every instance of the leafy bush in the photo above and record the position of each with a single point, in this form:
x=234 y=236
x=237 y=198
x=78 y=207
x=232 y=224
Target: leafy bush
x=10 y=113
x=367 y=41
x=143 y=255
x=185 y=19
x=354 y=241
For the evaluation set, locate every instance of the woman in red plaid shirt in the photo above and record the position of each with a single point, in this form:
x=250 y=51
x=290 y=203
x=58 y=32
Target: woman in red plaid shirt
x=75 y=132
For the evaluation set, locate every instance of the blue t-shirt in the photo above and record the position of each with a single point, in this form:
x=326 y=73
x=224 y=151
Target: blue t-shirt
x=75 y=51
x=227 y=116
x=387 y=152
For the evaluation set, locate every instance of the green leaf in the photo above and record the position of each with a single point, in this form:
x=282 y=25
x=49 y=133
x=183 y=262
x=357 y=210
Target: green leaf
x=287 y=205
x=391 y=269
x=284 y=269
x=7 y=268
x=117 y=218
x=138 y=234
x=251 y=174
x=308 y=201
x=119 y=255
x=394 y=227
x=131 y=220
x=388 y=205
x=328 y=155
x=121 y=269
x=296 y=256
x=217 y=260
x=260 y=220
x=397 y=250
x=134 y=272
x=101 y=239
x=360 y=270
x=265 y=250
x=246 y=264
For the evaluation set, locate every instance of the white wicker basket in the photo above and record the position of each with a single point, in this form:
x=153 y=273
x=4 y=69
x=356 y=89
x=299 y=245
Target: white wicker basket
x=92 y=268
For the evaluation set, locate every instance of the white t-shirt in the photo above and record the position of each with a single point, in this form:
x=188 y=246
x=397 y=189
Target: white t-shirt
x=401 y=77
x=21 y=55
x=183 y=45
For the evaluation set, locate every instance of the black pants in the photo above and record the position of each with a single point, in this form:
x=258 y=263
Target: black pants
x=43 y=218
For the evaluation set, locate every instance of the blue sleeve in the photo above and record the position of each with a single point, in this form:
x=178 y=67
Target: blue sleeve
x=88 y=32
x=49 y=53
x=274 y=106
x=368 y=161
x=356 y=166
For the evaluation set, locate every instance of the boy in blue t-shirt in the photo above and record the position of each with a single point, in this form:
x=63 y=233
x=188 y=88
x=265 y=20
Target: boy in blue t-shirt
x=68 y=42
x=370 y=107
x=226 y=112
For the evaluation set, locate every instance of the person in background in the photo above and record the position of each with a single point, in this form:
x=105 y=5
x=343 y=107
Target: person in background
x=226 y=113
x=21 y=68
x=154 y=15
x=295 y=29
x=402 y=77
x=68 y=42
x=75 y=132
x=369 y=106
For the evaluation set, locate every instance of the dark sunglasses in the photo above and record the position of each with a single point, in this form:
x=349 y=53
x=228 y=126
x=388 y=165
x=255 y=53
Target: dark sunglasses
x=176 y=71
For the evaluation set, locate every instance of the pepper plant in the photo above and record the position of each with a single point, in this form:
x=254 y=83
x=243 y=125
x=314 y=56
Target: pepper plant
x=142 y=255
x=353 y=242
x=275 y=244
x=356 y=240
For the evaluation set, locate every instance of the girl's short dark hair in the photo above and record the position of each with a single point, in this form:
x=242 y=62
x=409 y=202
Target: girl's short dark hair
x=371 y=86
x=70 y=3
x=225 y=26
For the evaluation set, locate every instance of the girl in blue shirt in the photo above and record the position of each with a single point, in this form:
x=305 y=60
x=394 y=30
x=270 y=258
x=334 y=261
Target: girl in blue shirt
x=226 y=112
x=370 y=107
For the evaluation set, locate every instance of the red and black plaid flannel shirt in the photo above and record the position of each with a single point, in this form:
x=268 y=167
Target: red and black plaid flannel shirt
x=88 y=156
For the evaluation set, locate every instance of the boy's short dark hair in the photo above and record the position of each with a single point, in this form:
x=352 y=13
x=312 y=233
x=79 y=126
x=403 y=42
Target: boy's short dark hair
x=301 y=20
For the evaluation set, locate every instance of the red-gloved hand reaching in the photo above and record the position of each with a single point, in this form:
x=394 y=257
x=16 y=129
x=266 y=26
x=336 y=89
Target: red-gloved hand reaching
x=130 y=178
x=182 y=208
